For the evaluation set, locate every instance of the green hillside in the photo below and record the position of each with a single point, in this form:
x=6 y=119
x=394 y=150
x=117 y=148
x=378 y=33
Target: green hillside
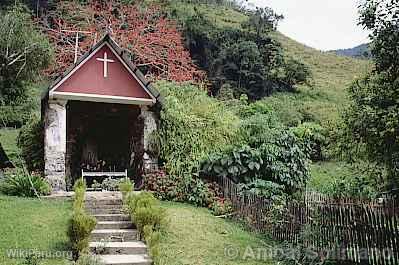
x=332 y=74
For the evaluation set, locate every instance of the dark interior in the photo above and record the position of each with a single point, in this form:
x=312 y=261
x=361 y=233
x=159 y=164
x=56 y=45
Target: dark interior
x=103 y=137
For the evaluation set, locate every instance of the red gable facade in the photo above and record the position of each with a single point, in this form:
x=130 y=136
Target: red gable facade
x=105 y=74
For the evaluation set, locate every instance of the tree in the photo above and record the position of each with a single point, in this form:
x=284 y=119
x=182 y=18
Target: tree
x=262 y=20
x=154 y=41
x=24 y=53
x=373 y=117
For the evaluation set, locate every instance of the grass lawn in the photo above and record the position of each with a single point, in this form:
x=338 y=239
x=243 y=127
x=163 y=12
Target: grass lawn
x=33 y=224
x=324 y=174
x=194 y=236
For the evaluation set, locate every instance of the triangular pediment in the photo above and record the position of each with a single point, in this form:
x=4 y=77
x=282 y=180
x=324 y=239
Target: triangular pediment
x=105 y=75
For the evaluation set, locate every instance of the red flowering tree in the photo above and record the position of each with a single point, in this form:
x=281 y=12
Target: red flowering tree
x=153 y=40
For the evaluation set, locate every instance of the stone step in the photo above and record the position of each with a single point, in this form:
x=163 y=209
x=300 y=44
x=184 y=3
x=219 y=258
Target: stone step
x=125 y=259
x=118 y=248
x=114 y=235
x=107 y=206
x=102 y=211
x=112 y=217
x=103 y=202
x=114 y=225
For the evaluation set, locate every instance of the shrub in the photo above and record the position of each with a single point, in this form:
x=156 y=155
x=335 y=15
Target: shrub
x=193 y=125
x=31 y=142
x=18 y=183
x=163 y=186
x=280 y=159
x=313 y=136
x=266 y=189
x=88 y=260
x=80 y=227
x=110 y=184
x=80 y=189
x=198 y=193
x=142 y=199
x=221 y=207
x=125 y=186
x=149 y=218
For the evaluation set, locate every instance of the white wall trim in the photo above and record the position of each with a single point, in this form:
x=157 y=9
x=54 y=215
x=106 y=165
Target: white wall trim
x=102 y=98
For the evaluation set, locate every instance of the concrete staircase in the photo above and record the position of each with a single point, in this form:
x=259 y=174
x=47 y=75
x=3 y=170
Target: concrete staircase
x=115 y=239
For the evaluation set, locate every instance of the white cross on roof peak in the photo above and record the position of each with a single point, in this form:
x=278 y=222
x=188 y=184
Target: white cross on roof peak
x=106 y=61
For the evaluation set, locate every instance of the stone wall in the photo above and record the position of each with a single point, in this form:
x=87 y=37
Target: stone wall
x=55 y=144
x=150 y=160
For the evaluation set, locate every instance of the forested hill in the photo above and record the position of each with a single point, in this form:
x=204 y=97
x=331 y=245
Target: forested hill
x=331 y=75
x=360 y=51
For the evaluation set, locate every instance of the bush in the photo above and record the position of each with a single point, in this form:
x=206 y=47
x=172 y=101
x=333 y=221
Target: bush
x=193 y=125
x=196 y=191
x=31 y=142
x=125 y=186
x=80 y=227
x=18 y=183
x=313 y=136
x=80 y=189
x=110 y=184
x=149 y=218
x=280 y=159
x=142 y=199
x=163 y=186
x=221 y=207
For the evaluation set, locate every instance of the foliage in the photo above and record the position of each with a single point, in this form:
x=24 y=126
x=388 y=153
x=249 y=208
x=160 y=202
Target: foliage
x=266 y=189
x=154 y=41
x=194 y=191
x=110 y=184
x=79 y=189
x=221 y=207
x=80 y=227
x=280 y=159
x=81 y=224
x=314 y=137
x=262 y=20
x=245 y=58
x=125 y=186
x=339 y=179
x=372 y=118
x=149 y=218
x=19 y=183
x=193 y=125
x=25 y=52
x=381 y=19
x=199 y=193
x=163 y=187
x=31 y=142
x=88 y=260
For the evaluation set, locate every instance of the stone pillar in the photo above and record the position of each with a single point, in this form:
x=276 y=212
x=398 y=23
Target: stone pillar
x=150 y=162
x=55 y=144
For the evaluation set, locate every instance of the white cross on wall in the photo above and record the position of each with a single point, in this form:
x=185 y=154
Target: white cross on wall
x=106 y=61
